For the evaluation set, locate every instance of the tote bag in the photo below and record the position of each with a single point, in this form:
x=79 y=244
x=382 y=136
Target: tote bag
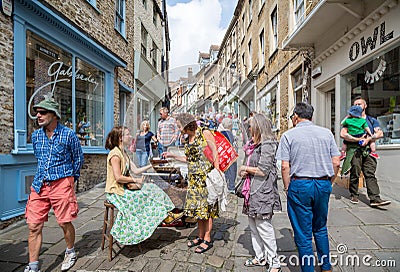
x=226 y=153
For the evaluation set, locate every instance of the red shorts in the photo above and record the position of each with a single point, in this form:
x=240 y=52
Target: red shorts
x=59 y=195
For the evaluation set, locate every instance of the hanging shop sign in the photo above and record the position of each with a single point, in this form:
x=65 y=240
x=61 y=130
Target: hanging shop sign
x=6 y=7
x=369 y=42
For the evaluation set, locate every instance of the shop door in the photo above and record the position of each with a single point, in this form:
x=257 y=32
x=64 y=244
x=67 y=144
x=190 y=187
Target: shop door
x=330 y=110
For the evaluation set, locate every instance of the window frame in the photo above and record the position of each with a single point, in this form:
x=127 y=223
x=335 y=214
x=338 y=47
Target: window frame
x=262 y=48
x=250 y=50
x=155 y=13
x=154 y=55
x=298 y=6
x=144 y=38
x=120 y=7
x=274 y=29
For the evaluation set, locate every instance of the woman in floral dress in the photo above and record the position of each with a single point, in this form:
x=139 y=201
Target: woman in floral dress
x=142 y=206
x=196 y=205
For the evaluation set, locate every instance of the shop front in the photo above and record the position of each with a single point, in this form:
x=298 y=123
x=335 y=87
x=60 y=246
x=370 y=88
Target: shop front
x=365 y=62
x=52 y=58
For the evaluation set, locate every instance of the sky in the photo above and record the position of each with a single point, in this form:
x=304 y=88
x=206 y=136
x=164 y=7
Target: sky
x=194 y=25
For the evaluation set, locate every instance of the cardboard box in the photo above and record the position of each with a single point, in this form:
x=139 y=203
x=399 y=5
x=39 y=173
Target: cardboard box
x=344 y=181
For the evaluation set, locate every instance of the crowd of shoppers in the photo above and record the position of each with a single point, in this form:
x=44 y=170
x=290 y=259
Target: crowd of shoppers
x=309 y=164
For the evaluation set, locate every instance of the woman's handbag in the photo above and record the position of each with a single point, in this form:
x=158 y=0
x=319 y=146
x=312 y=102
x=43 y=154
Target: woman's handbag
x=239 y=188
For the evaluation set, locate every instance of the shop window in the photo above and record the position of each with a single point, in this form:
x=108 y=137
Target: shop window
x=378 y=82
x=50 y=73
x=268 y=106
x=120 y=16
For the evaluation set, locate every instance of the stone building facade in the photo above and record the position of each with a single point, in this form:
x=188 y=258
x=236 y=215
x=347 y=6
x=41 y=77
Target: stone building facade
x=258 y=73
x=87 y=55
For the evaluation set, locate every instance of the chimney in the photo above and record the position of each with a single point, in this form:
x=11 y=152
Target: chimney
x=190 y=74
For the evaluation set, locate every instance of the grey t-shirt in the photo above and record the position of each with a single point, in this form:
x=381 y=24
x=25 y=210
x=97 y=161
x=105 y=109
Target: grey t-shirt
x=309 y=150
x=140 y=144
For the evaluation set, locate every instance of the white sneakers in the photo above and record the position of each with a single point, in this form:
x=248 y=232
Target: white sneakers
x=69 y=261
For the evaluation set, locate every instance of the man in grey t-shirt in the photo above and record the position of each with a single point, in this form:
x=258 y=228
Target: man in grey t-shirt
x=310 y=161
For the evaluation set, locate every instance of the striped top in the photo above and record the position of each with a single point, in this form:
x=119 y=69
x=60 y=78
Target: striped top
x=309 y=150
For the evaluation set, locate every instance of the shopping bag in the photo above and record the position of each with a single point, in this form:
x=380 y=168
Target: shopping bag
x=226 y=153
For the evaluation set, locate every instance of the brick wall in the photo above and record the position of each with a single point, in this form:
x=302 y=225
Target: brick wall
x=7 y=84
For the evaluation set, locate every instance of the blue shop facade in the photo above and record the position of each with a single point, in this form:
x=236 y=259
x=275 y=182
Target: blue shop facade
x=52 y=57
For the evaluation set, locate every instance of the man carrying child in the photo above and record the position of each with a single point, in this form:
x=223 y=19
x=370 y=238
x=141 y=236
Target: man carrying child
x=361 y=160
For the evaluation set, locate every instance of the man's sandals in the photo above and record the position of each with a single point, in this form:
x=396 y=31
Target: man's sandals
x=201 y=249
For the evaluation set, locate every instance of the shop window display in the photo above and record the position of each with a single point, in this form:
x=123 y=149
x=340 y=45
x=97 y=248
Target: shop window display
x=378 y=82
x=49 y=73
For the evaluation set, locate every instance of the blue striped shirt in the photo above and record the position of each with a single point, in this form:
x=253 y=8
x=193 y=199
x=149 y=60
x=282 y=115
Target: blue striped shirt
x=58 y=157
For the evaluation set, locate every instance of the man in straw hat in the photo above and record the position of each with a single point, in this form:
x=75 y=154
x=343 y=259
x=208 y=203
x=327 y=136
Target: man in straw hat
x=60 y=158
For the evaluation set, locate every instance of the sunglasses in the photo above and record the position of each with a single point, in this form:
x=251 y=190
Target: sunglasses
x=42 y=112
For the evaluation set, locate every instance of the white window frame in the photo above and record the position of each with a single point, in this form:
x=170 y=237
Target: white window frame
x=274 y=29
x=120 y=9
x=262 y=48
x=298 y=10
x=144 y=37
x=250 y=49
x=250 y=11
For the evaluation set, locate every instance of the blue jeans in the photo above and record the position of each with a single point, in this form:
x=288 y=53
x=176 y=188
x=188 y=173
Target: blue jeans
x=142 y=157
x=163 y=148
x=307 y=205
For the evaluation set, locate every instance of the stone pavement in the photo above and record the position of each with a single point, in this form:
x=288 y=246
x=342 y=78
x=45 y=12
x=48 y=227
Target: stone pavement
x=357 y=233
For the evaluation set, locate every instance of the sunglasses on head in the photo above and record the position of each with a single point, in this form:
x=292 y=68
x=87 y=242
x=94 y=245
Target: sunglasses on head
x=42 y=112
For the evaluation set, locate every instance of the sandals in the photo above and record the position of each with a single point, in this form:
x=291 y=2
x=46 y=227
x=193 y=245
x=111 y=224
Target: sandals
x=255 y=262
x=201 y=249
x=197 y=241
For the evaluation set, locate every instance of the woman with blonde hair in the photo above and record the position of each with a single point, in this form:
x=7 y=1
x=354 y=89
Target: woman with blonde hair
x=142 y=206
x=143 y=147
x=261 y=196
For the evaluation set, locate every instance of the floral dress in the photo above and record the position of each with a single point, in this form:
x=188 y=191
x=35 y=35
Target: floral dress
x=196 y=204
x=139 y=211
